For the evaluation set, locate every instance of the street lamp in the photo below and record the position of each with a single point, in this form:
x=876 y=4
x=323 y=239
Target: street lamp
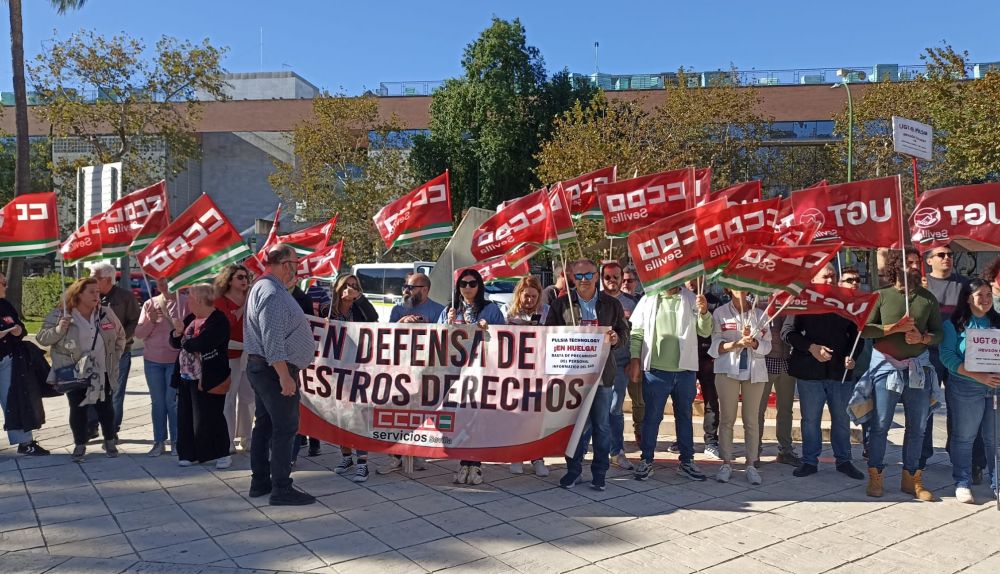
x=845 y=76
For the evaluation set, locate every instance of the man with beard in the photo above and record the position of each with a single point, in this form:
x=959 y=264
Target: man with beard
x=901 y=371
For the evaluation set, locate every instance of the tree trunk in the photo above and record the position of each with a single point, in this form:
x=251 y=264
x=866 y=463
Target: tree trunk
x=22 y=177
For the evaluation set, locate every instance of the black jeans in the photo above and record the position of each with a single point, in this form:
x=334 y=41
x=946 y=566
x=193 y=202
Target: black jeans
x=104 y=408
x=710 y=398
x=275 y=425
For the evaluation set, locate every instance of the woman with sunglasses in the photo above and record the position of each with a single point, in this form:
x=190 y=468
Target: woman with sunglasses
x=347 y=303
x=231 y=287
x=526 y=308
x=469 y=306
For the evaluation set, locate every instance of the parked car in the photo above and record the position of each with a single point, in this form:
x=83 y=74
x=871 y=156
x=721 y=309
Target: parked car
x=382 y=283
x=139 y=286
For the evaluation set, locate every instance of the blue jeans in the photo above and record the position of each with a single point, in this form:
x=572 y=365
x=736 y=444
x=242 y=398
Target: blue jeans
x=599 y=426
x=124 y=366
x=916 y=406
x=163 y=399
x=15 y=436
x=656 y=387
x=617 y=398
x=275 y=426
x=972 y=406
x=812 y=396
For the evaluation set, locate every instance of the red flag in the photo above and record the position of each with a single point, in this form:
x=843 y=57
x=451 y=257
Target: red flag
x=322 y=264
x=635 y=203
x=196 y=246
x=123 y=220
x=747 y=192
x=497 y=269
x=766 y=269
x=423 y=213
x=582 y=192
x=255 y=263
x=786 y=215
x=523 y=220
x=961 y=212
x=84 y=244
x=861 y=214
x=29 y=225
x=796 y=234
x=310 y=239
x=157 y=221
x=562 y=231
x=817 y=299
x=702 y=185
x=666 y=253
x=723 y=228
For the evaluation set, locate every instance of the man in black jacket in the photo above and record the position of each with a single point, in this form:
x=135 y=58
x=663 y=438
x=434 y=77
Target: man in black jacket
x=586 y=306
x=821 y=347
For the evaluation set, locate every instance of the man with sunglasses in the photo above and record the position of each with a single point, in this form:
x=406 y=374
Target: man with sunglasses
x=585 y=305
x=611 y=282
x=417 y=306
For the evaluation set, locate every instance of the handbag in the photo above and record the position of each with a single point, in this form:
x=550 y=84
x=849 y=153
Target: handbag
x=79 y=375
x=221 y=388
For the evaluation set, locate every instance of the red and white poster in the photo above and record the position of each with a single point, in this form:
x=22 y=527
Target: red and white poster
x=126 y=216
x=195 y=247
x=955 y=213
x=423 y=213
x=29 y=225
x=861 y=214
x=816 y=299
x=632 y=204
x=439 y=391
x=523 y=220
x=581 y=191
x=666 y=253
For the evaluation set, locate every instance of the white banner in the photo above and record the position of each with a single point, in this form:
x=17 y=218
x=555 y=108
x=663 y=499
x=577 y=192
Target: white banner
x=982 y=350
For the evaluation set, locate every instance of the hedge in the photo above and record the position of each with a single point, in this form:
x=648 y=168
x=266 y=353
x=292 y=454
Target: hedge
x=41 y=294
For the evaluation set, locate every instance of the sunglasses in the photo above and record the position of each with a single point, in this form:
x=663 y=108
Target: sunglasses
x=241 y=276
x=628 y=280
x=611 y=278
x=468 y=284
x=851 y=280
x=409 y=287
x=584 y=276
x=944 y=255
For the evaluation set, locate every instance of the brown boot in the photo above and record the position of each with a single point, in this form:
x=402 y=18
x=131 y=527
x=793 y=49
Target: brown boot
x=913 y=484
x=874 y=482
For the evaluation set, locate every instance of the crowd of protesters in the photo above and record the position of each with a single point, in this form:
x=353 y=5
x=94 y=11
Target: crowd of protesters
x=221 y=362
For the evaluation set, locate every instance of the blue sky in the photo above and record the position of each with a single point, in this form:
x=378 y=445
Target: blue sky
x=351 y=46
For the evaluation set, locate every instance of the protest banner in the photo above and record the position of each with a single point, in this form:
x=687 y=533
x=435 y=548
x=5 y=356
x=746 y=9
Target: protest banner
x=964 y=212
x=506 y=394
x=982 y=350
x=29 y=225
x=860 y=214
x=632 y=204
x=581 y=191
x=423 y=213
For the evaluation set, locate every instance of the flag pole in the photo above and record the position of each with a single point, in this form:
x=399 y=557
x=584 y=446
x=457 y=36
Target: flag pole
x=62 y=286
x=454 y=306
x=611 y=247
x=851 y=354
x=569 y=292
x=902 y=247
x=916 y=198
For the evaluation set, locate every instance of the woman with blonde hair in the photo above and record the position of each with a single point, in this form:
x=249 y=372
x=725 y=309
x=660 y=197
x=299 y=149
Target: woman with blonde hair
x=231 y=287
x=81 y=329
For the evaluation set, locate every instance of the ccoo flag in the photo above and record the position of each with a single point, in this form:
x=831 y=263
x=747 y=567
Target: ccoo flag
x=423 y=213
x=29 y=226
x=766 y=269
x=126 y=216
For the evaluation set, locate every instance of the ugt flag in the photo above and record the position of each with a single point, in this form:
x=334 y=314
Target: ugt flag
x=195 y=247
x=860 y=214
x=666 y=252
x=84 y=244
x=582 y=192
x=634 y=203
x=817 y=299
x=765 y=269
x=126 y=216
x=961 y=212
x=423 y=213
x=28 y=225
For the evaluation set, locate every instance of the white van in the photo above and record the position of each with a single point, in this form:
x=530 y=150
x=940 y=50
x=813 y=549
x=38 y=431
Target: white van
x=382 y=283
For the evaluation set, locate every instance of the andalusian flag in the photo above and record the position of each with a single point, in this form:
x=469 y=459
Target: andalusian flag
x=28 y=225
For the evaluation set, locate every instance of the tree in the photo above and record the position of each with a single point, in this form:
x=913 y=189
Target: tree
x=22 y=175
x=142 y=104
x=486 y=126
x=348 y=161
x=41 y=168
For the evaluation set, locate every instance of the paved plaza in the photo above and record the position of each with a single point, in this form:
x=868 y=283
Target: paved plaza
x=141 y=514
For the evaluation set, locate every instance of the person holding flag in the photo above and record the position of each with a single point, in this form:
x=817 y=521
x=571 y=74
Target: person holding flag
x=901 y=370
x=821 y=352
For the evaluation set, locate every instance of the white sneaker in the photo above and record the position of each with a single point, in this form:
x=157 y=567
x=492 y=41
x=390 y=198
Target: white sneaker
x=964 y=495
x=622 y=462
x=462 y=476
x=395 y=463
x=223 y=462
x=753 y=477
x=725 y=473
x=540 y=468
x=157 y=450
x=517 y=468
x=475 y=475
x=184 y=463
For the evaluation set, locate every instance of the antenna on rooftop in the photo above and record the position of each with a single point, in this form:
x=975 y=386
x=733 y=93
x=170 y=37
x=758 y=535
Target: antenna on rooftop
x=597 y=57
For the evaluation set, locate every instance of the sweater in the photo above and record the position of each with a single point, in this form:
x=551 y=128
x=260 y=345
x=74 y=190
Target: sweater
x=890 y=308
x=953 y=346
x=727 y=328
x=156 y=336
x=828 y=330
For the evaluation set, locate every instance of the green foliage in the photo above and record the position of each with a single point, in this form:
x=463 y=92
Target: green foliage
x=41 y=168
x=42 y=294
x=486 y=126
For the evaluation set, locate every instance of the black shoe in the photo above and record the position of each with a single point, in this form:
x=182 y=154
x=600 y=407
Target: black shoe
x=303 y=440
x=674 y=448
x=258 y=489
x=313 y=450
x=977 y=473
x=92 y=432
x=569 y=480
x=34 y=449
x=806 y=470
x=291 y=497
x=848 y=469
x=598 y=483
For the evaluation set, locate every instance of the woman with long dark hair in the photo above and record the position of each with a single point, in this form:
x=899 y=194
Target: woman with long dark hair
x=469 y=306
x=969 y=394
